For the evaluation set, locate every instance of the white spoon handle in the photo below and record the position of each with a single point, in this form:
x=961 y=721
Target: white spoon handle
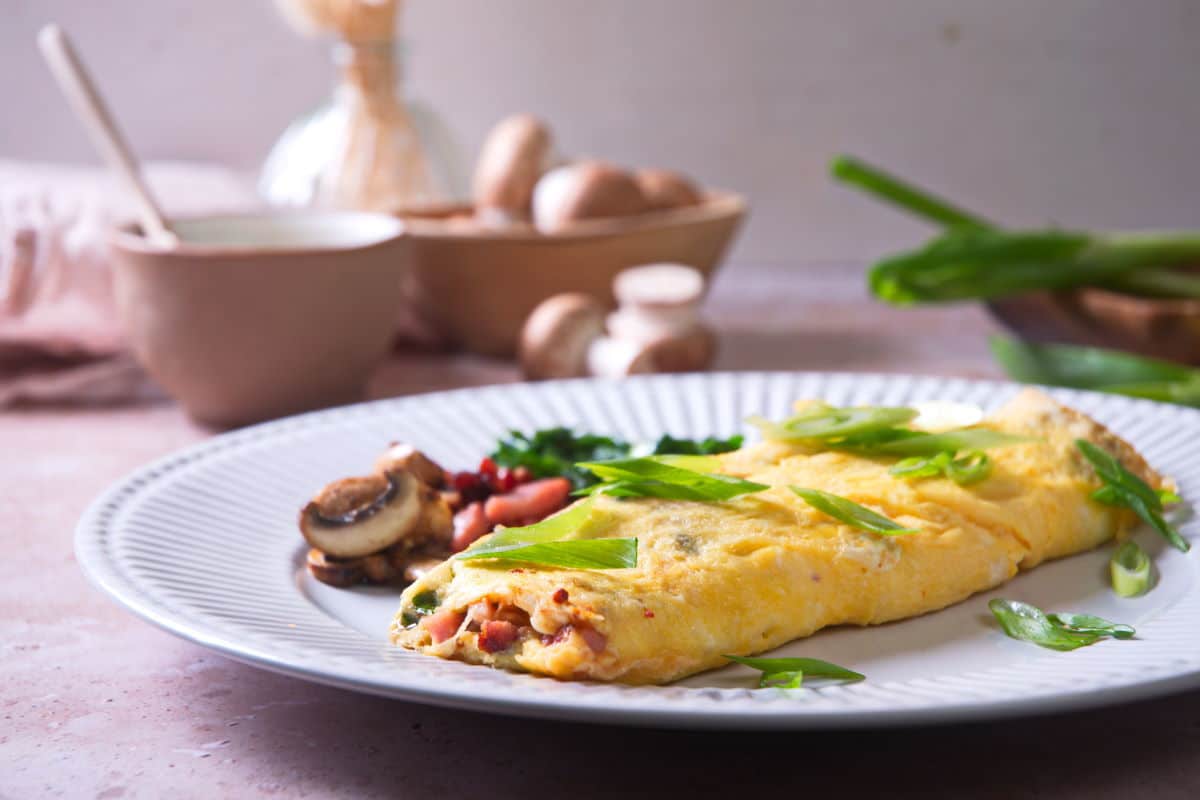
x=89 y=107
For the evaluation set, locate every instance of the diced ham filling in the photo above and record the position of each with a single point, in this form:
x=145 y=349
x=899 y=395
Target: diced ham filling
x=443 y=625
x=594 y=639
x=497 y=635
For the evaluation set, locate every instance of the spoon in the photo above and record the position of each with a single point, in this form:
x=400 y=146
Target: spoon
x=91 y=110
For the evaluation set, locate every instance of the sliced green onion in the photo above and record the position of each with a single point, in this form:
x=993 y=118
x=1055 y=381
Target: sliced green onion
x=789 y=673
x=851 y=513
x=1054 y=631
x=1123 y=488
x=930 y=444
x=658 y=476
x=970 y=468
x=915 y=467
x=826 y=422
x=560 y=526
x=546 y=543
x=1089 y=623
x=1130 y=568
x=573 y=554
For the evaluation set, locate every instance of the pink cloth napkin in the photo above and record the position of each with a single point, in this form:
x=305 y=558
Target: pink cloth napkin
x=60 y=340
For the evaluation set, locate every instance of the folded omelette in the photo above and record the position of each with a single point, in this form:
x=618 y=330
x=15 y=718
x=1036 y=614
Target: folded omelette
x=744 y=576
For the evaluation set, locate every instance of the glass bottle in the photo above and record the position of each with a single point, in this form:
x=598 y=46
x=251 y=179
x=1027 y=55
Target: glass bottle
x=370 y=148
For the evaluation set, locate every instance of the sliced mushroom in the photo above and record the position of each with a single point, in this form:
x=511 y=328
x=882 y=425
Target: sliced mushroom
x=401 y=457
x=665 y=189
x=359 y=516
x=514 y=156
x=557 y=335
x=582 y=191
x=379 y=568
x=340 y=572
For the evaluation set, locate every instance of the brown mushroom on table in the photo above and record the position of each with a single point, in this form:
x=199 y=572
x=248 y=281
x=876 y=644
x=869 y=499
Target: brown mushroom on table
x=557 y=335
x=655 y=329
x=664 y=189
x=582 y=191
x=517 y=152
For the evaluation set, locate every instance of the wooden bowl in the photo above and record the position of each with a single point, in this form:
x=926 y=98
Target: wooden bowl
x=1160 y=328
x=477 y=285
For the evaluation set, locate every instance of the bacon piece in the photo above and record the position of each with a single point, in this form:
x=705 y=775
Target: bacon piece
x=469 y=525
x=529 y=501
x=496 y=635
x=594 y=638
x=443 y=624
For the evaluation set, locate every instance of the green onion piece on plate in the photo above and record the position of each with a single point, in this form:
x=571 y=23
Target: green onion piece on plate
x=851 y=513
x=1054 y=631
x=1123 y=488
x=789 y=673
x=1130 y=569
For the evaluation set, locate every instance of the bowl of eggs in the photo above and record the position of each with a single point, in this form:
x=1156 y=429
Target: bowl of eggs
x=539 y=225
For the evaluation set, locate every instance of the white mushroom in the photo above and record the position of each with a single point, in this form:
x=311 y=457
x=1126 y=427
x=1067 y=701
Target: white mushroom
x=665 y=189
x=358 y=516
x=557 y=335
x=584 y=190
x=517 y=152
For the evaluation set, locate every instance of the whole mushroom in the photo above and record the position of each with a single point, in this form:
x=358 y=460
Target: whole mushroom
x=665 y=189
x=582 y=191
x=517 y=151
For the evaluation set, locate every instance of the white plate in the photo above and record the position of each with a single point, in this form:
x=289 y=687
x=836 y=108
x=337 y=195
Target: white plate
x=204 y=544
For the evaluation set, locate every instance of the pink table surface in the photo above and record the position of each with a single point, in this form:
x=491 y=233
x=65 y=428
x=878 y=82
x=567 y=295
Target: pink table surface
x=96 y=703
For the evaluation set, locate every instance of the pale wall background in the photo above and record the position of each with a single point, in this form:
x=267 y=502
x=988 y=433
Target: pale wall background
x=1085 y=112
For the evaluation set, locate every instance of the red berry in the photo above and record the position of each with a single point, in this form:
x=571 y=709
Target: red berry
x=487 y=467
x=465 y=481
x=522 y=475
x=505 y=480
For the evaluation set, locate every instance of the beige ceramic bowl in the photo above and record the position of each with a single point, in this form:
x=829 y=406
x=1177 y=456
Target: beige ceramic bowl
x=477 y=286
x=257 y=316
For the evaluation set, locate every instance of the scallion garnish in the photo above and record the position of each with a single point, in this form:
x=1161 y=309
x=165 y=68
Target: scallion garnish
x=789 y=673
x=1130 y=569
x=970 y=468
x=573 y=554
x=823 y=422
x=1123 y=488
x=1055 y=631
x=543 y=544
x=851 y=513
x=659 y=476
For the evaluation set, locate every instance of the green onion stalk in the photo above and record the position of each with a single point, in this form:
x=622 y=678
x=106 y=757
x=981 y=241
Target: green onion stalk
x=976 y=260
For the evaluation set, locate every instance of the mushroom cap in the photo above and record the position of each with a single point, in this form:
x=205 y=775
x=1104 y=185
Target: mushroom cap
x=403 y=457
x=665 y=189
x=355 y=517
x=339 y=572
x=659 y=286
x=584 y=190
x=515 y=154
x=556 y=336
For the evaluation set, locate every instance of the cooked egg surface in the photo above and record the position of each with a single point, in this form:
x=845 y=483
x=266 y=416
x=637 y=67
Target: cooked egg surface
x=747 y=575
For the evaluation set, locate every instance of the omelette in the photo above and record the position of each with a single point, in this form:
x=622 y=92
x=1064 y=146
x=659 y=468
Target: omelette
x=746 y=575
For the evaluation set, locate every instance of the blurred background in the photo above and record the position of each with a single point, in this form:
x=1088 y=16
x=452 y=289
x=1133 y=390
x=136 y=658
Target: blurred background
x=1081 y=112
